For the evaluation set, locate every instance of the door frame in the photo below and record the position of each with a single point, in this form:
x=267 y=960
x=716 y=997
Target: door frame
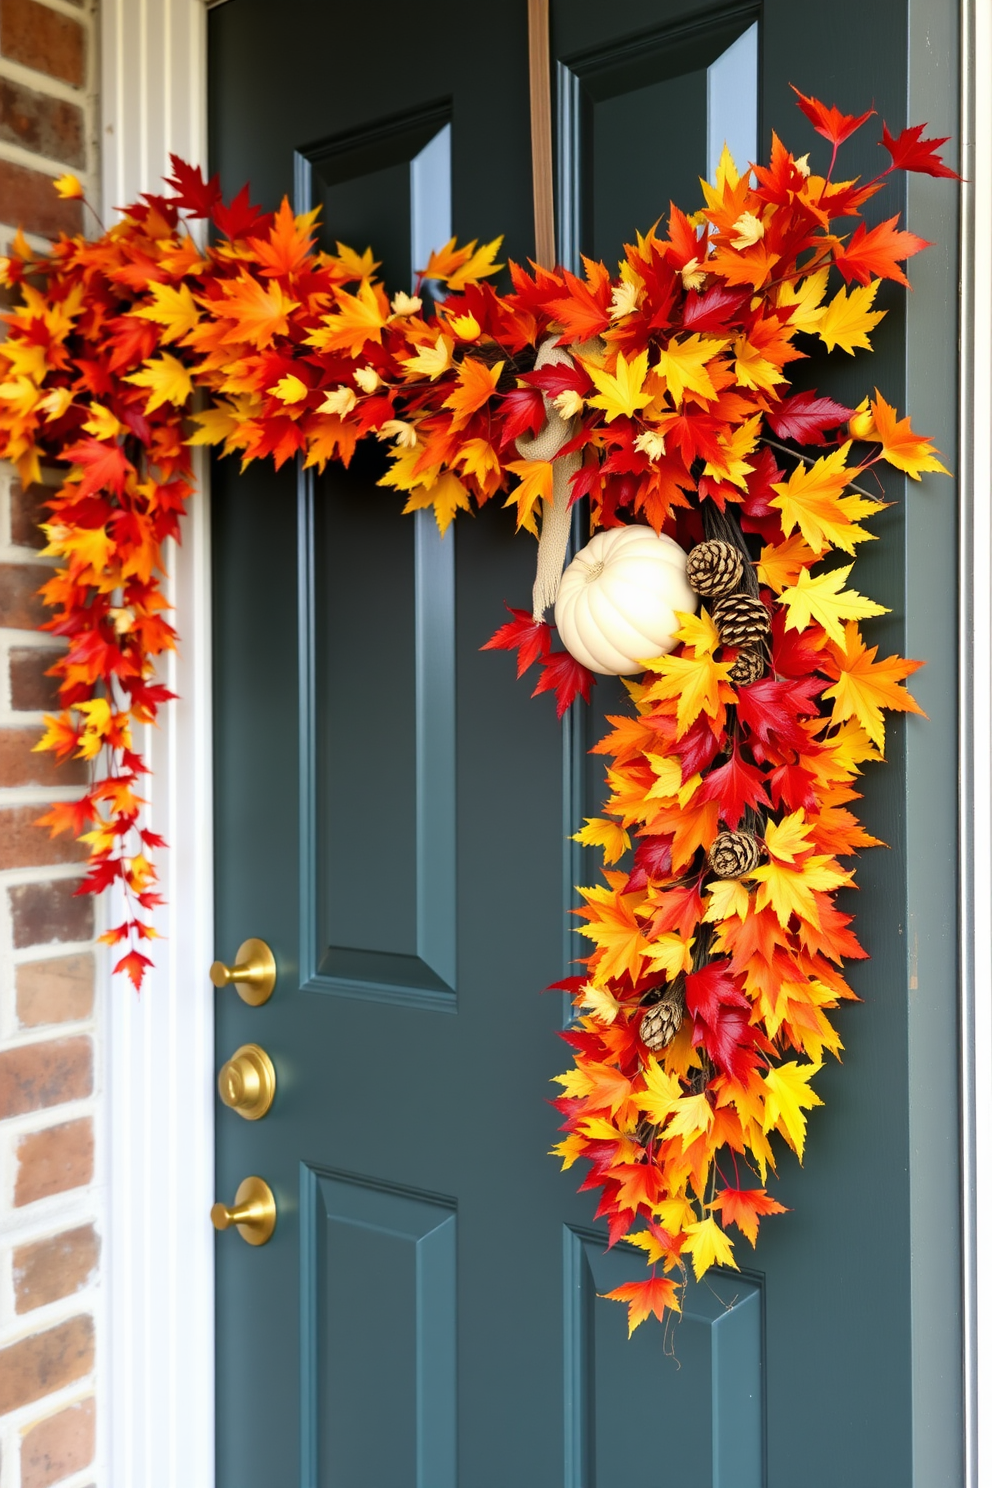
x=159 y=1343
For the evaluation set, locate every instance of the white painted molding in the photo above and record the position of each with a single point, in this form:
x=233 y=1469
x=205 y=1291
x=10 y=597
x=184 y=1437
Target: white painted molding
x=159 y=1365
x=976 y=729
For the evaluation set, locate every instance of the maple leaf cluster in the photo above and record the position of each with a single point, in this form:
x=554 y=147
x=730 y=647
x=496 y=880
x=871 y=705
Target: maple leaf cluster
x=128 y=351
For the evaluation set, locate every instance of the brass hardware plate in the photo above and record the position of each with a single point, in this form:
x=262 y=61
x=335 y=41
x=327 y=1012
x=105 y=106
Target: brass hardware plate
x=247 y=1082
x=253 y=1212
x=253 y=972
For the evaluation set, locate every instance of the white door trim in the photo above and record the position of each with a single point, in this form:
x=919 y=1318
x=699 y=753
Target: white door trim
x=160 y=1063
x=976 y=729
x=159 y=1352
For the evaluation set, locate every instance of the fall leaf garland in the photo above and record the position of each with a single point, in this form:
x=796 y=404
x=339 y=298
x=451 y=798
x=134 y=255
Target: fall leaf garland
x=717 y=952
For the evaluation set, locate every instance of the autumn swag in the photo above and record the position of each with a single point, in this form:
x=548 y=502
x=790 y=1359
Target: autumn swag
x=703 y=1012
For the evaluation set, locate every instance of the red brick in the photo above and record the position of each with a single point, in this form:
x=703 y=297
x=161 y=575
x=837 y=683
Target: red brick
x=48 y=1270
x=36 y=1076
x=59 y=1446
x=41 y=38
x=30 y=689
x=26 y=510
x=20 y=604
x=22 y=764
x=38 y=1366
x=48 y=913
x=29 y=200
x=53 y=1161
x=47 y=126
x=59 y=990
x=23 y=844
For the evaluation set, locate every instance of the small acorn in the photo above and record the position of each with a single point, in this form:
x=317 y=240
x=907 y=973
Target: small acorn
x=734 y=854
x=714 y=568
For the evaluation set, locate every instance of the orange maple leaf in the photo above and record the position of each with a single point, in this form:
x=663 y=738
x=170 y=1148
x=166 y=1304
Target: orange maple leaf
x=876 y=254
x=644 y=1298
x=900 y=446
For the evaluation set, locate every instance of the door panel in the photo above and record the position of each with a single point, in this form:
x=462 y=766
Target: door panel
x=393 y=814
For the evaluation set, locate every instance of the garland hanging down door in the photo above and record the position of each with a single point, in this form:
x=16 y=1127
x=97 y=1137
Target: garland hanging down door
x=393 y=815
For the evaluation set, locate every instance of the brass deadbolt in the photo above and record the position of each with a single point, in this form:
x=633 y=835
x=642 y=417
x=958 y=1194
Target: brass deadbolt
x=247 y=1082
x=253 y=1212
x=253 y=973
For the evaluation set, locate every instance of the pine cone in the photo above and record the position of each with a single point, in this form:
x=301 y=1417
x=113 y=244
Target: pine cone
x=749 y=665
x=734 y=854
x=663 y=1018
x=741 y=620
x=714 y=567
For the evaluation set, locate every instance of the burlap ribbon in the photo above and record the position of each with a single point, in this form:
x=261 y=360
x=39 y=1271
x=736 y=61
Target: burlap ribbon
x=556 y=516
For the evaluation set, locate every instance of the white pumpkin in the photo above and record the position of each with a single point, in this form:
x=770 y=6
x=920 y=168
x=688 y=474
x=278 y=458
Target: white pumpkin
x=618 y=597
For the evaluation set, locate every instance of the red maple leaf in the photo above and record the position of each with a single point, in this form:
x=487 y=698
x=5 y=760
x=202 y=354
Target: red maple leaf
x=566 y=678
x=530 y=638
x=135 y=964
x=910 y=152
x=805 y=417
x=830 y=122
x=238 y=217
x=520 y=412
x=720 y=1011
x=193 y=194
x=105 y=466
x=735 y=785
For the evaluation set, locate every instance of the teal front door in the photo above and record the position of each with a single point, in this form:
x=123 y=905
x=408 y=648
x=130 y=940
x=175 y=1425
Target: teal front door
x=393 y=815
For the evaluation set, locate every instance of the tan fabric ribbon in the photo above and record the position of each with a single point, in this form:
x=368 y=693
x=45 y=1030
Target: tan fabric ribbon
x=556 y=517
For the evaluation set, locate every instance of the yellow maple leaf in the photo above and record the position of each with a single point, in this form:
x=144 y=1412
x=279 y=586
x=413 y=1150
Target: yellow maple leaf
x=68 y=187
x=599 y=1002
x=670 y=954
x=825 y=600
x=788 y=838
x=709 y=1246
x=737 y=444
x=698 y=631
x=479 y=265
x=813 y=500
x=698 y=682
x=446 y=495
x=622 y=393
x=849 y=318
x=599 y=831
x=789 y=890
x=216 y=424
x=900 y=446
x=787 y=1094
x=536 y=479
x=167 y=380
x=691 y=1116
x=804 y=298
x=725 y=898
x=171 y=308
x=290 y=389
x=430 y=361
x=683 y=365
x=865 y=686
x=102 y=424
x=668 y=769
x=752 y=370
x=661 y=1094
x=615 y=932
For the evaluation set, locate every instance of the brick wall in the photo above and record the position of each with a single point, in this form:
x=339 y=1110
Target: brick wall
x=49 y=1034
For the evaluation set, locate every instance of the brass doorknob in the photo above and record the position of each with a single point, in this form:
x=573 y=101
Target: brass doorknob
x=253 y=1212
x=247 y=1082
x=253 y=973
